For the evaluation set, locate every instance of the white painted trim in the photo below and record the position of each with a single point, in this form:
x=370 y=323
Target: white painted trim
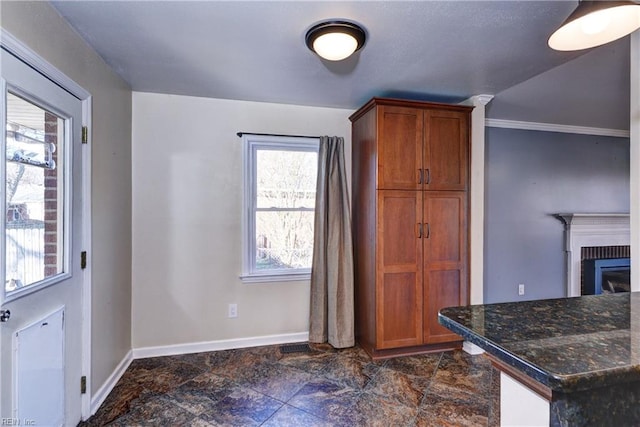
x=87 y=106
x=550 y=127
x=170 y=350
x=22 y=51
x=583 y=230
x=25 y=54
x=476 y=262
x=634 y=127
x=250 y=144
x=197 y=347
x=471 y=348
x=106 y=388
x=276 y=278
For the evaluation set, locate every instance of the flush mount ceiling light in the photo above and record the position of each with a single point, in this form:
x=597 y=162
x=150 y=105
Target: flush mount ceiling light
x=335 y=40
x=595 y=23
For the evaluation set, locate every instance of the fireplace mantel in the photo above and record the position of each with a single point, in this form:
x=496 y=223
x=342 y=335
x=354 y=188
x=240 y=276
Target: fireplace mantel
x=588 y=229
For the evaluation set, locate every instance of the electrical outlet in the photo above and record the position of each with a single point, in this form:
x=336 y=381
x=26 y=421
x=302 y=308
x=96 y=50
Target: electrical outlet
x=233 y=310
x=521 y=289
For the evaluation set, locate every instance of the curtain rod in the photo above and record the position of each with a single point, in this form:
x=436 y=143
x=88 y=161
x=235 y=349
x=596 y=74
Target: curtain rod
x=275 y=134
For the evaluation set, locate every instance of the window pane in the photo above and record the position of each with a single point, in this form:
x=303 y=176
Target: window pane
x=284 y=239
x=286 y=179
x=34 y=194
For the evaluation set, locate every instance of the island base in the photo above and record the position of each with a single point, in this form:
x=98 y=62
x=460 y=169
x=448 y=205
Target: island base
x=526 y=402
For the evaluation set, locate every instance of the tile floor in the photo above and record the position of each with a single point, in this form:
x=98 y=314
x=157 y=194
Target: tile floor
x=261 y=386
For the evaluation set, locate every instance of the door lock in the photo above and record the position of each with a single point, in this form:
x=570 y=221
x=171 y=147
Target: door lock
x=4 y=315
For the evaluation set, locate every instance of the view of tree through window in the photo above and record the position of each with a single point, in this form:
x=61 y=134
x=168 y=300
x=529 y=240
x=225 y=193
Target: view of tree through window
x=285 y=202
x=34 y=194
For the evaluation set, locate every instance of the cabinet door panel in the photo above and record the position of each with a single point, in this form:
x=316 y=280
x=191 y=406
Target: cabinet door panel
x=400 y=325
x=399 y=269
x=445 y=219
x=446 y=150
x=443 y=288
x=399 y=148
x=445 y=259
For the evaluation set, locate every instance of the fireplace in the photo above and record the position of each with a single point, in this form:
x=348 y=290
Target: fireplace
x=597 y=232
x=606 y=276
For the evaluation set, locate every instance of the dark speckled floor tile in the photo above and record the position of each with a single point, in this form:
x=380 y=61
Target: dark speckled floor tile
x=242 y=407
x=350 y=371
x=325 y=387
x=207 y=360
x=119 y=401
x=314 y=363
x=327 y=400
x=494 y=396
x=288 y=416
x=199 y=422
x=274 y=380
x=395 y=386
x=459 y=372
x=200 y=393
x=153 y=375
x=423 y=365
x=372 y=410
x=240 y=363
x=447 y=411
x=157 y=411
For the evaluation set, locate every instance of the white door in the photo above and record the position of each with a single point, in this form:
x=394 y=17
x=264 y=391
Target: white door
x=40 y=162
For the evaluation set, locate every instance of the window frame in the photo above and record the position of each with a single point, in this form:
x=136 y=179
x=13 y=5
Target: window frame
x=65 y=189
x=251 y=145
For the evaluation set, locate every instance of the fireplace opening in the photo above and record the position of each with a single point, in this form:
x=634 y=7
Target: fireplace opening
x=604 y=276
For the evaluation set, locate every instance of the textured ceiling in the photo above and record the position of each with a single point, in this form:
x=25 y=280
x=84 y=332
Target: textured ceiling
x=255 y=50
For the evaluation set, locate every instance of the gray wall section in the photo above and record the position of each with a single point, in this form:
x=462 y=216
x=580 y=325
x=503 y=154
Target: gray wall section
x=530 y=176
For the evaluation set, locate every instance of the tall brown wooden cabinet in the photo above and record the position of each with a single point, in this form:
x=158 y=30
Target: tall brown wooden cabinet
x=410 y=222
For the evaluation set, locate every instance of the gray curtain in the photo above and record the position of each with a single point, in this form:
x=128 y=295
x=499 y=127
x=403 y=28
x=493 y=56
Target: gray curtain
x=332 y=311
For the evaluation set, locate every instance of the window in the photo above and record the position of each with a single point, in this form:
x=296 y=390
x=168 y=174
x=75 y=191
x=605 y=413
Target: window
x=36 y=220
x=279 y=205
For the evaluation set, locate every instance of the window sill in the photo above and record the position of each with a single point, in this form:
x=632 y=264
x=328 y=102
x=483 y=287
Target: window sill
x=270 y=278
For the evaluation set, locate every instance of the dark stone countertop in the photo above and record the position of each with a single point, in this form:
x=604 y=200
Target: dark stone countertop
x=567 y=344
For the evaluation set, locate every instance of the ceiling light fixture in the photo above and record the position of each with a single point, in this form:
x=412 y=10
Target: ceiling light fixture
x=595 y=23
x=335 y=40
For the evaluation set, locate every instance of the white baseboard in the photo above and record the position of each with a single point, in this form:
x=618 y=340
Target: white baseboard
x=471 y=348
x=170 y=350
x=99 y=396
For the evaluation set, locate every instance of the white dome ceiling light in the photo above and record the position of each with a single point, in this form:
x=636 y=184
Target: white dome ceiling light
x=335 y=40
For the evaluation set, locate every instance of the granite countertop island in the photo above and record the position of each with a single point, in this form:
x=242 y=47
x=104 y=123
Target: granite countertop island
x=582 y=354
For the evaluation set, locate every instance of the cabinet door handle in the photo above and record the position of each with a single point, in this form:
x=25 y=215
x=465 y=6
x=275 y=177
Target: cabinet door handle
x=419 y=229
x=428 y=233
x=428 y=179
x=420 y=175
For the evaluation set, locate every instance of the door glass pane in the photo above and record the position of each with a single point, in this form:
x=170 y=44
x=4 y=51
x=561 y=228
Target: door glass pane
x=35 y=187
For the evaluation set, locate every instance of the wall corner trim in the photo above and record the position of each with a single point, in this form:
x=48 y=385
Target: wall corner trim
x=101 y=394
x=197 y=347
x=28 y=56
x=551 y=127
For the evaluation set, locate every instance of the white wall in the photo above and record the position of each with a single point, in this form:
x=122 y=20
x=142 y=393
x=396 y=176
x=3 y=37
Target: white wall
x=187 y=195
x=41 y=28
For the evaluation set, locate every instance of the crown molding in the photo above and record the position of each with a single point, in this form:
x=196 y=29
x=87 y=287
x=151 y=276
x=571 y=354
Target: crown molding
x=477 y=100
x=550 y=127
